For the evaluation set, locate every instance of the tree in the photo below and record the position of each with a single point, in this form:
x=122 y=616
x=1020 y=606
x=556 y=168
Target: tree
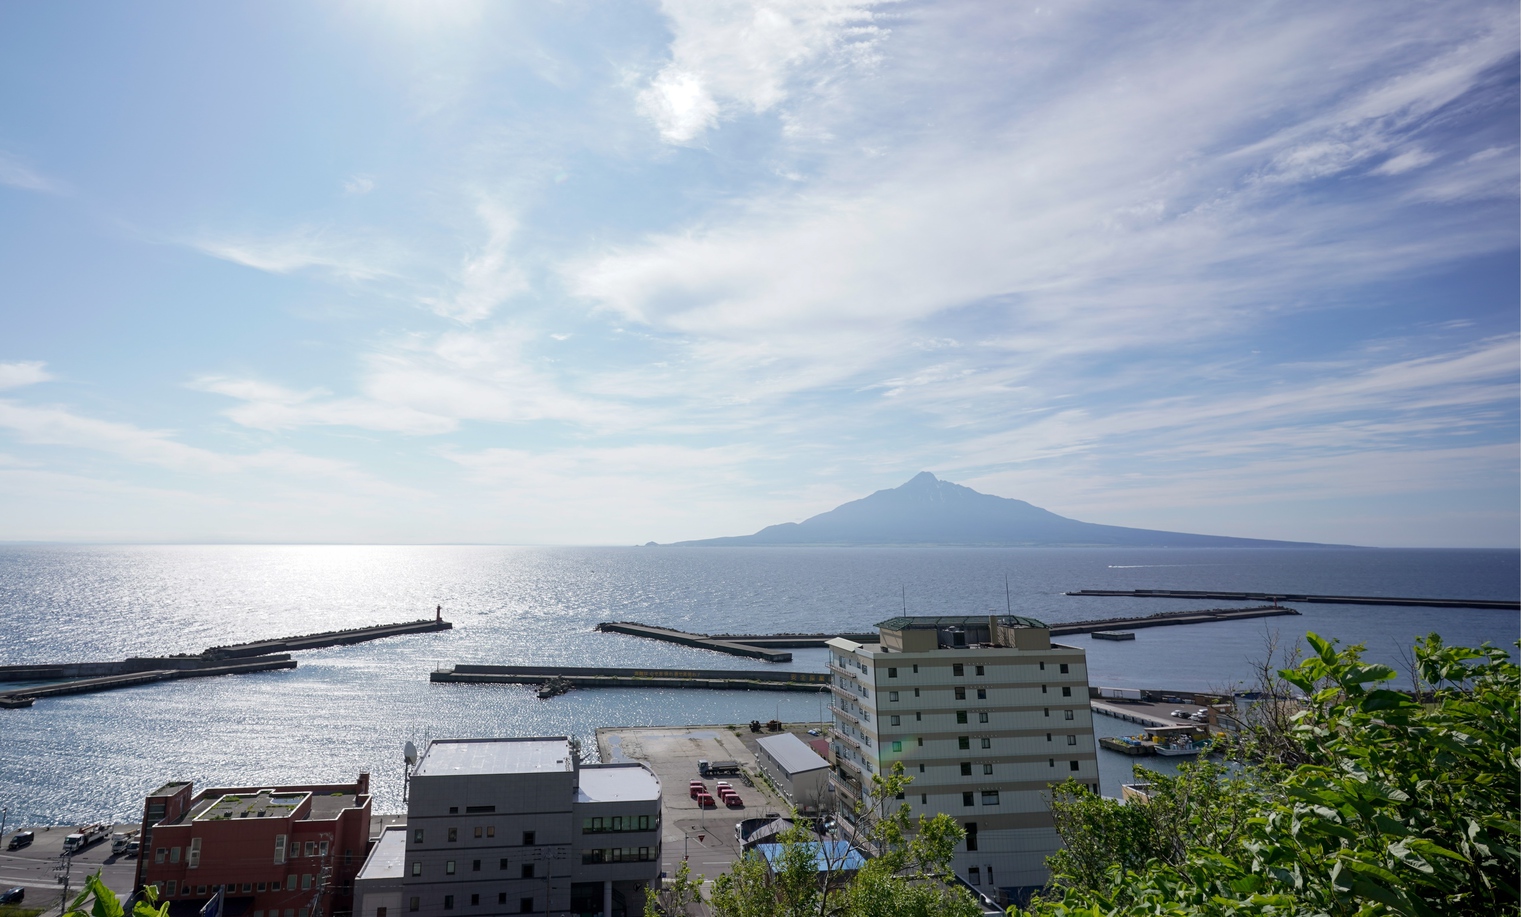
x=677 y=896
x=104 y=903
x=1392 y=806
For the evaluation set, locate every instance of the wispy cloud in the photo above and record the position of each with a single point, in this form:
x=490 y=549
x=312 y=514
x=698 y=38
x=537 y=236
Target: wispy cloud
x=17 y=174
x=16 y=375
x=488 y=277
x=302 y=249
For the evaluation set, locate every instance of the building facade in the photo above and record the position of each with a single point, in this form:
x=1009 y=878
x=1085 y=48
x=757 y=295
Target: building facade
x=518 y=826
x=796 y=769
x=289 y=851
x=984 y=713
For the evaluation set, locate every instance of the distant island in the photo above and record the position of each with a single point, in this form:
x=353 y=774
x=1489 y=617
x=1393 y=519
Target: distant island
x=927 y=510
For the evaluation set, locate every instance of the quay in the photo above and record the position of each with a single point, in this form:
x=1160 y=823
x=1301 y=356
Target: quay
x=1495 y=604
x=25 y=697
x=701 y=641
x=721 y=679
x=1170 y=618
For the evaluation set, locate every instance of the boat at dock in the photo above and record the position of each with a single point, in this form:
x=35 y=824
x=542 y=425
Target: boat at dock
x=1181 y=746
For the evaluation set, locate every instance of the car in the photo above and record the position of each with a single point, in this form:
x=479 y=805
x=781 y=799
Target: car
x=133 y=848
x=21 y=839
x=733 y=801
x=13 y=895
x=705 y=801
x=1180 y=714
x=814 y=732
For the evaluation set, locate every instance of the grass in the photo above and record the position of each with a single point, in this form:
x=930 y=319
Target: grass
x=19 y=910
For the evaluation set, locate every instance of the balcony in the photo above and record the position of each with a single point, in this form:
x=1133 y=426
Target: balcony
x=851 y=741
x=837 y=711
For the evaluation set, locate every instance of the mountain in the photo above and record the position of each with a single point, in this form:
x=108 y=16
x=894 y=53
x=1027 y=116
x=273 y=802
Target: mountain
x=928 y=510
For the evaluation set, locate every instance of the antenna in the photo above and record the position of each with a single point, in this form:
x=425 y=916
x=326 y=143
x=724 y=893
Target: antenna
x=1007 y=602
x=408 y=761
x=905 y=599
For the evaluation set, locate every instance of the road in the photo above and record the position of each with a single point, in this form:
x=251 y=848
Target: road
x=32 y=867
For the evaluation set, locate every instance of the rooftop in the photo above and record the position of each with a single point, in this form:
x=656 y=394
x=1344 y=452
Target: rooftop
x=464 y=757
x=618 y=783
x=263 y=804
x=827 y=855
x=387 y=858
x=936 y=623
x=792 y=753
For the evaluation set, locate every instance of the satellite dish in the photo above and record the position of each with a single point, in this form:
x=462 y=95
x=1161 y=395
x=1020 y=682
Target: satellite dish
x=409 y=752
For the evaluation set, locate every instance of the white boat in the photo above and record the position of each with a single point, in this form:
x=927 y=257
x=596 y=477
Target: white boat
x=1182 y=745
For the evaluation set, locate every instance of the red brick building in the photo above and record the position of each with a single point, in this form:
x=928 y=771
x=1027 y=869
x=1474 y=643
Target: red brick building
x=290 y=851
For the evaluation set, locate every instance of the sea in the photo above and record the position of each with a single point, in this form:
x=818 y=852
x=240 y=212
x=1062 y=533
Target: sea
x=351 y=709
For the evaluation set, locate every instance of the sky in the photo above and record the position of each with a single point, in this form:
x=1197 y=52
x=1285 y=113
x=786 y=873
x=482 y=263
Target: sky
x=607 y=273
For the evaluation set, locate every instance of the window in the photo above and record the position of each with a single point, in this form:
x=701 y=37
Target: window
x=200 y=889
x=963 y=742
x=893 y=720
x=1067 y=715
x=1048 y=737
x=475 y=865
x=380 y=912
x=417 y=868
x=525 y=905
x=982 y=693
x=502 y=864
x=920 y=740
x=417 y=835
x=916 y=668
x=1066 y=690
x=1071 y=740
x=477 y=810
x=916 y=692
x=966 y=799
x=1048 y=711
x=491 y=829
x=475 y=899
x=501 y=897
x=414 y=903
x=1042 y=666
x=449 y=868
x=1043 y=689
x=979 y=670
x=971 y=835
x=923 y=797
x=306 y=881
x=961 y=693
x=193 y=856
x=990 y=797
x=160 y=854
x=453 y=834
x=974 y=875
x=527 y=871
x=247 y=887
x=1051 y=762
x=1074 y=765
x=480 y=831
x=987 y=742
x=527 y=838
x=892 y=672
x=322 y=848
x=892 y=696
x=448 y=902
x=454 y=810
x=966 y=768
x=1064 y=668
x=961 y=716
x=290 y=882
x=921 y=767
x=918 y=716
x=170 y=889
x=174 y=854
x=987 y=770
x=958 y=669
x=263 y=886
x=982 y=716
x=897 y=746
x=311 y=848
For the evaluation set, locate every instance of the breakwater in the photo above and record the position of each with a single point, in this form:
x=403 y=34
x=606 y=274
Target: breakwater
x=721 y=679
x=1171 y=618
x=701 y=641
x=1495 y=604
x=25 y=697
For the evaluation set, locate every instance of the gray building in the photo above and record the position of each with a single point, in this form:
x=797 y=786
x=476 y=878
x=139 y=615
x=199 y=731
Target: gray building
x=517 y=826
x=377 y=888
x=797 y=770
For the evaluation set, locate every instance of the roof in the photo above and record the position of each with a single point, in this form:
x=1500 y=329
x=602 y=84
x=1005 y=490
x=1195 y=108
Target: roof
x=467 y=757
x=827 y=855
x=387 y=858
x=935 y=623
x=618 y=783
x=263 y=804
x=791 y=753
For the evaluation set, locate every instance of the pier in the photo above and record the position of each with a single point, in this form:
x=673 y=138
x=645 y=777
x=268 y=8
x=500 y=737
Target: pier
x=25 y=697
x=705 y=679
x=1170 y=618
x=1494 y=604
x=702 y=641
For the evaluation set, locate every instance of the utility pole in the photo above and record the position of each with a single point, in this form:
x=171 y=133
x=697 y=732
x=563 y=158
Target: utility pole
x=61 y=874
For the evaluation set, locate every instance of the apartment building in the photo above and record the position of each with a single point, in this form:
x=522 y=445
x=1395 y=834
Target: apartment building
x=984 y=713
x=289 y=851
x=518 y=826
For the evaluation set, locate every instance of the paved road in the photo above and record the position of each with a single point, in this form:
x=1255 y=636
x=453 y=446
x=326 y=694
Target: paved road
x=32 y=867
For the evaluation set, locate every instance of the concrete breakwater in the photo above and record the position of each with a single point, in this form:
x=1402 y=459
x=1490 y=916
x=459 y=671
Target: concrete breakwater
x=633 y=678
x=1496 y=604
x=1171 y=618
x=234 y=659
x=701 y=641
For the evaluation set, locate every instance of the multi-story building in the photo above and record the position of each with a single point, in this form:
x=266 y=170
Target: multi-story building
x=984 y=713
x=518 y=826
x=290 y=851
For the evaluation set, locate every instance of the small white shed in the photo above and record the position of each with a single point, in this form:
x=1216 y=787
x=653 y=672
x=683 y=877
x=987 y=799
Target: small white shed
x=796 y=769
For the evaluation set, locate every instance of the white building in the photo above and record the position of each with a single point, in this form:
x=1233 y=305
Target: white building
x=517 y=826
x=377 y=888
x=796 y=769
x=984 y=713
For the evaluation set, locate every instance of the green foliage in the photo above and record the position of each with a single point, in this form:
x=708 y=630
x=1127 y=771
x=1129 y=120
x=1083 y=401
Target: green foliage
x=677 y=895
x=1393 y=807
x=18 y=910
x=98 y=901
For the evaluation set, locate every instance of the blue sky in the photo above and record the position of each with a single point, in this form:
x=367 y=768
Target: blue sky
x=608 y=273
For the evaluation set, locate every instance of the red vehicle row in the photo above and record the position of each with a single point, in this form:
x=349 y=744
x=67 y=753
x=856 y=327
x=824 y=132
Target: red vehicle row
x=705 y=800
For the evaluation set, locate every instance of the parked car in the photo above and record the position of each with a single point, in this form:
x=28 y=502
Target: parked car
x=13 y=895
x=705 y=801
x=133 y=848
x=21 y=839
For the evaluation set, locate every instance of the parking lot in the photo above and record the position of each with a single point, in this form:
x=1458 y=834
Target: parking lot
x=704 y=836
x=32 y=867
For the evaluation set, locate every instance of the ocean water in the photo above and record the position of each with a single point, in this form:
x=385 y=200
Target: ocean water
x=350 y=709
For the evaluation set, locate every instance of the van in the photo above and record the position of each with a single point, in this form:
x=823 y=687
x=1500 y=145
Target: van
x=21 y=839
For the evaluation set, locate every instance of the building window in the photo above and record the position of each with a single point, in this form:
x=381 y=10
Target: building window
x=454 y=810
x=982 y=693
x=916 y=692
x=897 y=746
x=1064 y=668
x=920 y=740
x=892 y=696
x=193 y=856
x=380 y=912
x=974 y=875
x=417 y=835
x=964 y=742
x=480 y=831
x=1043 y=666
x=247 y=888
x=311 y=848
x=527 y=871
x=453 y=834
x=491 y=829
x=528 y=838
x=1043 y=689
x=961 y=693
x=174 y=854
x=990 y=797
x=971 y=835
x=525 y=905
x=1074 y=765
x=160 y=854
x=987 y=742
x=961 y=716
x=1071 y=740
x=448 y=902
x=979 y=670
x=290 y=882
x=892 y=672
x=923 y=797
x=417 y=868
x=987 y=769
x=966 y=768
x=414 y=904
x=501 y=897
x=449 y=868
x=263 y=886
x=1067 y=715
x=982 y=716
x=966 y=799
x=916 y=668
x=1066 y=690
x=1048 y=737
x=477 y=810
x=893 y=720
x=306 y=881
x=170 y=889
x=201 y=889
x=475 y=899
x=475 y=865
x=958 y=669
x=921 y=767
x=1051 y=762
x=1048 y=711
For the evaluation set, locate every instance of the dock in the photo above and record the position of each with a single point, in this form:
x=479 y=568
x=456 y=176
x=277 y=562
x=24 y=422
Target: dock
x=25 y=697
x=701 y=641
x=1169 y=619
x=1275 y=597
x=705 y=679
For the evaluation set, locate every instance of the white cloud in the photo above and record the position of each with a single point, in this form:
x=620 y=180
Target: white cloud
x=16 y=174
x=15 y=375
x=488 y=277
x=359 y=185
x=304 y=248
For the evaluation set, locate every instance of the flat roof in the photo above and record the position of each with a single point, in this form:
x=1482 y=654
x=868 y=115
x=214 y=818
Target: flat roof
x=791 y=753
x=263 y=804
x=935 y=623
x=387 y=859
x=618 y=783
x=463 y=757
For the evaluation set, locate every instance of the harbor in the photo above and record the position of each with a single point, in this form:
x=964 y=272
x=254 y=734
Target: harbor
x=1276 y=597
x=585 y=677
